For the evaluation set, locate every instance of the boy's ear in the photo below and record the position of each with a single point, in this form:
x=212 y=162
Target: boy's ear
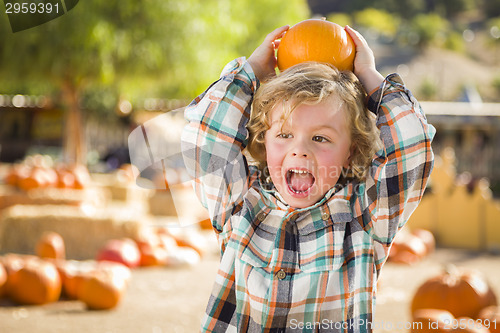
x=347 y=162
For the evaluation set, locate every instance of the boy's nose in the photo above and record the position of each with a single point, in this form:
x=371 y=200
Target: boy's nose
x=298 y=154
x=300 y=150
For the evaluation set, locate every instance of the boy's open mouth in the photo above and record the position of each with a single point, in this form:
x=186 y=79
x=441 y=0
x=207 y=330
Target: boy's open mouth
x=299 y=181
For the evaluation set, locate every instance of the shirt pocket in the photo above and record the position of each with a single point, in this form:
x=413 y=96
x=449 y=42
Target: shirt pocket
x=322 y=248
x=259 y=249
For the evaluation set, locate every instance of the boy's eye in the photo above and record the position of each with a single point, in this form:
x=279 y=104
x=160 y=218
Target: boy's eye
x=284 y=135
x=319 y=138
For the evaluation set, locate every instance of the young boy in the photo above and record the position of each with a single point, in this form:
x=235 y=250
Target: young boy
x=305 y=231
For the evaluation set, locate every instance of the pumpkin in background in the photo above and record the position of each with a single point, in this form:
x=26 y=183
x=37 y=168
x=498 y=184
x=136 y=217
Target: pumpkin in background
x=119 y=270
x=123 y=251
x=65 y=179
x=431 y=321
x=3 y=279
x=407 y=249
x=35 y=178
x=206 y=224
x=51 y=245
x=316 y=40
x=427 y=237
x=36 y=282
x=151 y=249
x=187 y=239
x=82 y=176
x=73 y=273
x=126 y=173
x=183 y=255
x=104 y=289
x=167 y=241
x=74 y=177
x=463 y=293
x=51 y=177
x=491 y=313
x=15 y=173
x=12 y=263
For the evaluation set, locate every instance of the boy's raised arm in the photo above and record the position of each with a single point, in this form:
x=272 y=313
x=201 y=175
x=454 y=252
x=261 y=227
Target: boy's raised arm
x=399 y=172
x=364 y=62
x=213 y=141
x=263 y=59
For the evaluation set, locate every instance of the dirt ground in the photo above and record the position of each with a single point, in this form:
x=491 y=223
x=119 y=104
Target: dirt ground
x=161 y=300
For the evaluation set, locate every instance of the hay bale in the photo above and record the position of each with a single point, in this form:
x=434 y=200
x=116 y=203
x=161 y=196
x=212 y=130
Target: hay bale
x=123 y=190
x=161 y=203
x=84 y=229
x=11 y=196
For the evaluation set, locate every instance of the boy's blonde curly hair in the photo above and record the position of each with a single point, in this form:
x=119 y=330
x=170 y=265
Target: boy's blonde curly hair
x=312 y=83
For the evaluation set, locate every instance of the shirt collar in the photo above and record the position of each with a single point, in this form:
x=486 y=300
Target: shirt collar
x=275 y=201
x=332 y=208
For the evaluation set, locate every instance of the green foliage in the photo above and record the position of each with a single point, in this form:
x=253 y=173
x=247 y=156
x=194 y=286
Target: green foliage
x=450 y=8
x=163 y=48
x=378 y=20
x=455 y=42
x=427 y=90
x=407 y=9
x=340 y=18
x=429 y=28
x=496 y=85
x=402 y=8
x=223 y=30
x=494 y=29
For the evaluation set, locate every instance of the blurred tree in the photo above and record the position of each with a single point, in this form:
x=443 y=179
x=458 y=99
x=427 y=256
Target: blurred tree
x=494 y=28
x=455 y=42
x=428 y=90
x=429 y=28
x=403 y=8
x=496 y=86
x=491 y=8
x=378 y=20
x=450 y=8
x=407 y=9
x=340 y=18
x=167 y=47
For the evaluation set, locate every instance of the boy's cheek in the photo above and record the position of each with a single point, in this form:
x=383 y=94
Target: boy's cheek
x=273 y=155
x=274 y=170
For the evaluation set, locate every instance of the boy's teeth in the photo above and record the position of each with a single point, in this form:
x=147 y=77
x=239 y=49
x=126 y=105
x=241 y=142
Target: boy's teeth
x=299 y=180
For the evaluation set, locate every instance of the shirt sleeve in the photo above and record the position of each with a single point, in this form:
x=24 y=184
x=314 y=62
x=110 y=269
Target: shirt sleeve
x=400 y=170
x=213 y=141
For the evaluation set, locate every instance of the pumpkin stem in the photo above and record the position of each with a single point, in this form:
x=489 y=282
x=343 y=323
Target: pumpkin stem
x=451 y=269
x=452 y=274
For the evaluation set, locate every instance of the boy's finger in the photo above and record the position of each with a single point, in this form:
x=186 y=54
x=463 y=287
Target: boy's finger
x=277 y=33
x=357 y=38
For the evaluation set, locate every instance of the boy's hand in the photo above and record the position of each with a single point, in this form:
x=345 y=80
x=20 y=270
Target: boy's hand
x=364 y=62
x=263 y=59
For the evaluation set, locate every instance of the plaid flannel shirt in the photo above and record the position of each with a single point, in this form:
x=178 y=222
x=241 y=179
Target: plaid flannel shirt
x=300 y=270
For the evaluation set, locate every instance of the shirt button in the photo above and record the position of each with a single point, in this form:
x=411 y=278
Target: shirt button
x=325 y=216
x=261 y=217
x=281 y=274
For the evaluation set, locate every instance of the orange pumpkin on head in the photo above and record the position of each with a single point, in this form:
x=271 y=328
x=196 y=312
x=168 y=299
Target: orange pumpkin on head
x=316 y=40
